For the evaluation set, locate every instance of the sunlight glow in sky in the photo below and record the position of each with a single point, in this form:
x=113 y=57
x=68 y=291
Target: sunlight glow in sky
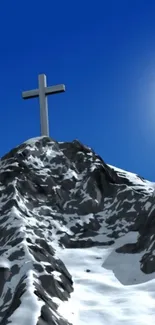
x=104 y=54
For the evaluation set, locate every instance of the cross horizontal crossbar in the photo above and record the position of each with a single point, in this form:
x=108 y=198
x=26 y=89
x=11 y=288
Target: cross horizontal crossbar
x=48 y=90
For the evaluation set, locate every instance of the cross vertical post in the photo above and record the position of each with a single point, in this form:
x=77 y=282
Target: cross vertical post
x=44 y=123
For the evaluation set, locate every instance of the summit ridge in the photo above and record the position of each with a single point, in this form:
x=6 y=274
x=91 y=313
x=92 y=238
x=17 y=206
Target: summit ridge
x=70 y=224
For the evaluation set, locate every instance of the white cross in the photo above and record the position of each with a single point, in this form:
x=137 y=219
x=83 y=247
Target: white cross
x=42 y=93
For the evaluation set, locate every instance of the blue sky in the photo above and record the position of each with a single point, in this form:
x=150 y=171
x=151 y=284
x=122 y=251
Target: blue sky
x=104 y=52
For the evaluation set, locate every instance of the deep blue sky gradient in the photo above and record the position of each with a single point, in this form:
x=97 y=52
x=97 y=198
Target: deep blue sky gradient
x=104 y=52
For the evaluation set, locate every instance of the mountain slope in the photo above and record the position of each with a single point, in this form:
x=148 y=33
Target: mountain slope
x=77 y=238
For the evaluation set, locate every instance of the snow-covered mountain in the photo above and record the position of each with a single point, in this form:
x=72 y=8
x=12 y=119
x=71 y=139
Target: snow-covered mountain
x=77 y=238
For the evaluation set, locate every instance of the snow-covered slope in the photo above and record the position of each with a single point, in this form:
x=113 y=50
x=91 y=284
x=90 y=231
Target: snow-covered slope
x=77 y=238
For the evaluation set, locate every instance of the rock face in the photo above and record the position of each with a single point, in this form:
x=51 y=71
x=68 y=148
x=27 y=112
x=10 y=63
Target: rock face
x=57 y=196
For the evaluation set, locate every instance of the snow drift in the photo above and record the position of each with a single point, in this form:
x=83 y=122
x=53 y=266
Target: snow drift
x=77 y=238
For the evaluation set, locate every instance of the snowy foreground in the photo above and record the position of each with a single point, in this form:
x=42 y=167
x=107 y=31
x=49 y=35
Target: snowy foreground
x=77 y=239
x=103 y=296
